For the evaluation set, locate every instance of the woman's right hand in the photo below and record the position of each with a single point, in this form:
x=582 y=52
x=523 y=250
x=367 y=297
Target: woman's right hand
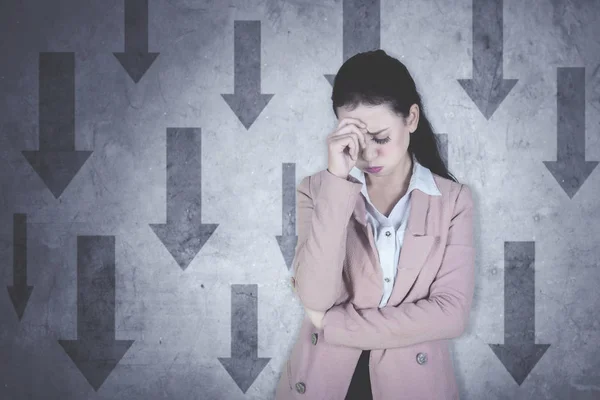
x=316 y=317
x=350 y=134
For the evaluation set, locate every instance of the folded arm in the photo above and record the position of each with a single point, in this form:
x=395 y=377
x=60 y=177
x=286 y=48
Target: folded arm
x=322 y=222
x=443 y=315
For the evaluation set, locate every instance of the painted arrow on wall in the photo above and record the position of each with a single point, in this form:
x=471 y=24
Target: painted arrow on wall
x=95 y=351
x=570 y=168
x=244 y=365
x=361 y=25
x=288 y=239
x=488 y=88
x=184 y=234
x=57 y=161
x=519 y=353
x=136 y=59
x=247 y=102
x=19 y=292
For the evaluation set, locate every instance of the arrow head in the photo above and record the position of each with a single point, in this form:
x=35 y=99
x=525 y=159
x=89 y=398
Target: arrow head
x=244 y=371
x=136 y=63
x=287 y=245
x=519 y=359
x=56 y=168
x=96 y=358
x=247 y=107
x=570 y=173
x=19 y=296
x=330 y=78
x=485 y=99
x=183 y=241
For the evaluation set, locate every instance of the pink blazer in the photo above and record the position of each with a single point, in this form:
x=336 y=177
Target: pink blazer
x=336 y=269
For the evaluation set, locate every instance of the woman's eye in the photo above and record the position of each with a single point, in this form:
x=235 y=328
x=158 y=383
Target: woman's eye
x=381 y=141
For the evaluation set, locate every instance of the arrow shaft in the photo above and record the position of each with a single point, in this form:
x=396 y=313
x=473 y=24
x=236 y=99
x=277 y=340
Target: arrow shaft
x=288 y=200
x=361 y=26
x=136 y=26
x=96 y=287
x=488 y=40
x=247 y=57
x=57 y=101
x=244 y=321
x=184 y=176
x=519 y=292
x=20 y=250
x=570 y=105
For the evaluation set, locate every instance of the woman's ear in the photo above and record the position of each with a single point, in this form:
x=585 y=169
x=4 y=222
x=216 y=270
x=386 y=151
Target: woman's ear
x=413 y=118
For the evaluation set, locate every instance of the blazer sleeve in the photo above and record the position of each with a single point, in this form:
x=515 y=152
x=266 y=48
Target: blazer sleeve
x=322 y=221
x=443 y=315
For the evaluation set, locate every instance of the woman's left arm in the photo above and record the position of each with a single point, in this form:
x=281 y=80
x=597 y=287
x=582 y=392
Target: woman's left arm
x=443 y=315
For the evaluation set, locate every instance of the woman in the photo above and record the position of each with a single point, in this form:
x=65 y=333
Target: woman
x=384 y=264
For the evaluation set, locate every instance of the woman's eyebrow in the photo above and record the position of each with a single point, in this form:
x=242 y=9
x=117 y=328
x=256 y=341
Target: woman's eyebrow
x=376 y=133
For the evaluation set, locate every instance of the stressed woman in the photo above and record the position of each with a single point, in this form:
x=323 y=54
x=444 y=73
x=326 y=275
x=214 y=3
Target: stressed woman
x=384 y=264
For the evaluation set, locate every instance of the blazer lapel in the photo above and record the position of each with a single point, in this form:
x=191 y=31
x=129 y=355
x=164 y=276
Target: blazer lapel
x=415 y=248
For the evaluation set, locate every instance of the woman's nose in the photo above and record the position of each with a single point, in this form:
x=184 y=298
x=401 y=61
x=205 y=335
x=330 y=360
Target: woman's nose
x=368 y=152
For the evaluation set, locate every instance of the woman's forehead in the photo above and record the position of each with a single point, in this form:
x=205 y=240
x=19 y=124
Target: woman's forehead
x=370 y=115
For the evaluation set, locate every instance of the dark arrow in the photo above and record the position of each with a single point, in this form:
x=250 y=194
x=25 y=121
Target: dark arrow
x=442 y=143
x=244 y=365
x=288 y=240
x=361 y=23
x=570 y=168
x=19 y=292
x=95 y=351
x=57 y=161
x=184 y=234
x=519 y=353
x=488 y=88
x=136 y=59
x=247 y=102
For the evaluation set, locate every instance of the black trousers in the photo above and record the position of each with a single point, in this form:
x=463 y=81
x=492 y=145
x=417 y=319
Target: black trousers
x=360 y=386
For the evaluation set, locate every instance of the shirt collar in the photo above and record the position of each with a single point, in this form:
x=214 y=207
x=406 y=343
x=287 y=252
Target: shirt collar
x=421 y=178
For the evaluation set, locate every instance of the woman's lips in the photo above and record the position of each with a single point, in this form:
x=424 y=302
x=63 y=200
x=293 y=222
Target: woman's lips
x=373 y=170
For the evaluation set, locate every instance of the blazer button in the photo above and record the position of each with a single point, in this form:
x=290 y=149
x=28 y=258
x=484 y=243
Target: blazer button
x=314 y=338
x=422 y=358
x=300 y=387
x=388 y=233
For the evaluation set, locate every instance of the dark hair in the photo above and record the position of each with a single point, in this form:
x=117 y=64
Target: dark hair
x=375 y=78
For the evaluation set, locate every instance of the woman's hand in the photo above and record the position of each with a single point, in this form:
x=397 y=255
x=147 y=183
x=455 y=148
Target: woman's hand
x=350 y=134
x=316 y=317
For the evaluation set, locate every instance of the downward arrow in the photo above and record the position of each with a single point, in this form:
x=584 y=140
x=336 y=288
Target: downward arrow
x=570 y=168
x=442 y=144
x=247 y=102
x=287 y=242
x=488 y=88
x=57 y=161
x=184 y=234
x=19 y=292
x=361 y=28
x=136 y=60
x=519 y=353
x=95 y=351
x=244 y=365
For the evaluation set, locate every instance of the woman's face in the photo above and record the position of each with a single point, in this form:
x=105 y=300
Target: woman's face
x=388 y=147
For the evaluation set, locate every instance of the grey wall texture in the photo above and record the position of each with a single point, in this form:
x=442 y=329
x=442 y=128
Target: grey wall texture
x=149 y=154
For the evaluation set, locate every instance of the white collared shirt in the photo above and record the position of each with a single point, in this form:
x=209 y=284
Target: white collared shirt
x=388 y=232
